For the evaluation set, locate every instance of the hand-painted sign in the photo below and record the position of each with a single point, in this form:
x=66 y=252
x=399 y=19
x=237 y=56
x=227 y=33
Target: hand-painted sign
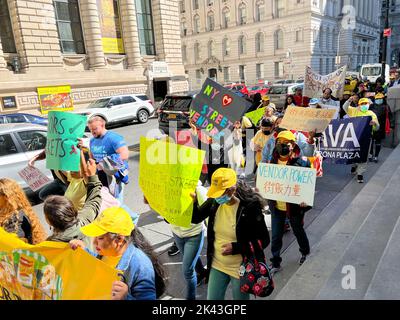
x=34 y=178
x=315 y=83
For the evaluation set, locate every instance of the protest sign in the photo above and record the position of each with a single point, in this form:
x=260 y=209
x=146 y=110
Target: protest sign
x=256 y=115
x=307 y=119
x=168 y=173
x=347 y=141
x=315 y=83
x=63 y=131
x=290 y=184
x=55 y=98
x=216 y=108
x=51 y=271
x=34 y=178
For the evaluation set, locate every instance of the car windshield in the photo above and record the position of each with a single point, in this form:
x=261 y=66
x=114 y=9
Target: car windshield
x=143 y=97
x=176 y=104
x=278 y=90
x=256 y=88
x=101 y=103
x=371 y=71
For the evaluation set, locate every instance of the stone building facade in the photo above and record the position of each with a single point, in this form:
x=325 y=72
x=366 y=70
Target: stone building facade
x=259 y=40
x=393 y=50
x=126 y=46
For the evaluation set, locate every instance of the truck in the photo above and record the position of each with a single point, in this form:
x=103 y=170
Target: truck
x=373 y=71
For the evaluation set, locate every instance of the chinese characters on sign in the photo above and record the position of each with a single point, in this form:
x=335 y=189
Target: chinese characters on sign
x=315 y=83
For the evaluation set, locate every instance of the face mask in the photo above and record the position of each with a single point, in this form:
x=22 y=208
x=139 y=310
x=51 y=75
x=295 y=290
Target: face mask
x=282 y=149
x=224 y=199
x=364 y=108
x=379 y=101
x=267 y=132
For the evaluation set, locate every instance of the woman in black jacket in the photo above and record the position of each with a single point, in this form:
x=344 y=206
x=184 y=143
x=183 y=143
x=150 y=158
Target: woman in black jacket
x=235 y=219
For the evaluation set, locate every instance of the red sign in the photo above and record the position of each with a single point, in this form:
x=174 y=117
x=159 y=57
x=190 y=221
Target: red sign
x=387 y=32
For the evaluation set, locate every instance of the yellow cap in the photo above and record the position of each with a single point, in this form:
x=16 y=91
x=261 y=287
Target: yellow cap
x=222 y=179
x=114 y=220
x=347 y=92
x=363 y=101
x=265 y=98
x=379 y=95
x=288 y=135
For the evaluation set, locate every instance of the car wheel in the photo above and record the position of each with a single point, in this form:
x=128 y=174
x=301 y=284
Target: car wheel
x=143 y=116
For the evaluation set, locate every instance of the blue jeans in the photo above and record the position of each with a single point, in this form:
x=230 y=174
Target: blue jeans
x=190 y=248
x=218 y=283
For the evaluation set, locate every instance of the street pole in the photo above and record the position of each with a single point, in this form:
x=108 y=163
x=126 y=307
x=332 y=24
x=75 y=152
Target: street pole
x=337 y=49
x=385 y=41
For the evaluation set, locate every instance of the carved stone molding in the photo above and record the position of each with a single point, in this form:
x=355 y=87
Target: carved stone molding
x=74 y=60
x=115 y=59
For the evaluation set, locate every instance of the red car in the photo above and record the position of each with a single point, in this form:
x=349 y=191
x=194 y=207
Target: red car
x=259 y=88
x=238 y=87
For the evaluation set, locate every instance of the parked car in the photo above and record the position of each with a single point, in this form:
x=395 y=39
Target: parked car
x=18 y=144
x=121 y=108
x=278 y=93
x=284 y=82
x=174 y=112
x=259 y=88
x=237 y=87
x=23 y=118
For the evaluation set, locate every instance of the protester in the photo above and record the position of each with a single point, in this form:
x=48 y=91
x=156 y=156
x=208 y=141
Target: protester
x=288 y=102
x=266 y=102
x=260 y=139
x=120 y=245
x=314 y=103
x=235 y=219
x=327 y=102
x=268 y=114
x=346 y=96
x=256 y=102
x=248 y=129
x=380 y=86
x=299 y=99
x=17 y=215
x=287 y=152
x=63 y=217
x=384 y=114
x=77 y=189
x=361 y=111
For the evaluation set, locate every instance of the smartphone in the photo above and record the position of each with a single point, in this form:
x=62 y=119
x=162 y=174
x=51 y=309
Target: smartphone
x=86 y=153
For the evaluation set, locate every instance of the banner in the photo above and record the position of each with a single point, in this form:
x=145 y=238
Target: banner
x=63 y=131
x=307 y=119
x=315 y=83
x=110 y=26
x=55 y=98
x=256 y=115
x=34 y=178
x=168 y=173
x=215 y=108
x=51 y=271
x=347 y=141
x=290 y=184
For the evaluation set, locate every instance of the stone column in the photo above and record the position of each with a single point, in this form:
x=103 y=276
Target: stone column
x=92 y=31
x=130 y=35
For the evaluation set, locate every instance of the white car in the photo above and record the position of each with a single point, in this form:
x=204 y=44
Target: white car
x=121 y=108
x=279 y=92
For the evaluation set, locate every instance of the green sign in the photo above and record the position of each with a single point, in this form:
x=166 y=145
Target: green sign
x=256 y=115
x=63 y=131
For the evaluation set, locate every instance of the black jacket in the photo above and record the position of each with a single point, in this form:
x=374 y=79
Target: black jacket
x=250 y=227
x=380 y=111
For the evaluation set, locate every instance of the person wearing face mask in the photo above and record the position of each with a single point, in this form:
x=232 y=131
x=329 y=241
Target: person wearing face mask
x=361 y=111
x=235 y=218
x=327 y=102
x=287 y=152
x=383 y=113
x=261 y=138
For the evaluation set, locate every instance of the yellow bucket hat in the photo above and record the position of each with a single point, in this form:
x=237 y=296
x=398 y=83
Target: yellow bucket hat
x=265 y=98
x=379 y=95
x=288 y=135
x=363 y=101
x=114 y=220
x=222 y=179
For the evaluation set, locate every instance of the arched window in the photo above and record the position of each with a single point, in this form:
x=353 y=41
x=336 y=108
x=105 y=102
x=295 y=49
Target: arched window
x=278 y=37
x=225 y=47
x=242 y=14
x=196 y=24
x=211 y=48
x=197 y=52
x=259 y=42
x=210 y=21
x=260 y=11
x=225 y=17
x=241 y=45
x=184 y=54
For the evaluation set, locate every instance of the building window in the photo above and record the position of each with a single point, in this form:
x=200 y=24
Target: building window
x=195 y=4
x=241 y=45
x=210 y=21
x=225 y=18
x=211 y=48
x=278 y=69
x=321 y=65
x=6 y=33
x=226 y=74
x=260 y=11
x=225 y=47
x=299 y=35
x=197 y=53
x=69 y=26
x=183 y=28
x=242 y=73
x=279 y=8
x=145 y=27
x=184 y=54
x=260 y=71
x=198 y=74
x=315 y=35
x=242 y=14
x=196 y=24
x=259 y=42
x=278 y=37
x=182 y=6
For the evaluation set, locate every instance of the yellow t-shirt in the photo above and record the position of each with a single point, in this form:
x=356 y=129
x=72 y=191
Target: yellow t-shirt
x=280 y=205
x=111 y=260
x=355 y=112
x=76 y=192
x=260 y=139
x=225 y=232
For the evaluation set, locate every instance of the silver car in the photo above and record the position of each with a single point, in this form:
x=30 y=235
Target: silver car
x=19 y=142
x=279 y=92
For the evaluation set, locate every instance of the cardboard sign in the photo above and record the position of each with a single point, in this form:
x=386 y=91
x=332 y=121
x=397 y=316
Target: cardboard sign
x=315 y=83
x=307 y=119
x=347 y=141
x=168 y=173
x=34 y=178
x=290 y=184
x=216 y=109
x=256 y=115
x=64 y=129
x=55 y=98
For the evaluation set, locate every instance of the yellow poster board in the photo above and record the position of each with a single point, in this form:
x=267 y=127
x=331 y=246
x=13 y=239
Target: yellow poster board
x=168 y=174
x=51 y=271
x=55 y=99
